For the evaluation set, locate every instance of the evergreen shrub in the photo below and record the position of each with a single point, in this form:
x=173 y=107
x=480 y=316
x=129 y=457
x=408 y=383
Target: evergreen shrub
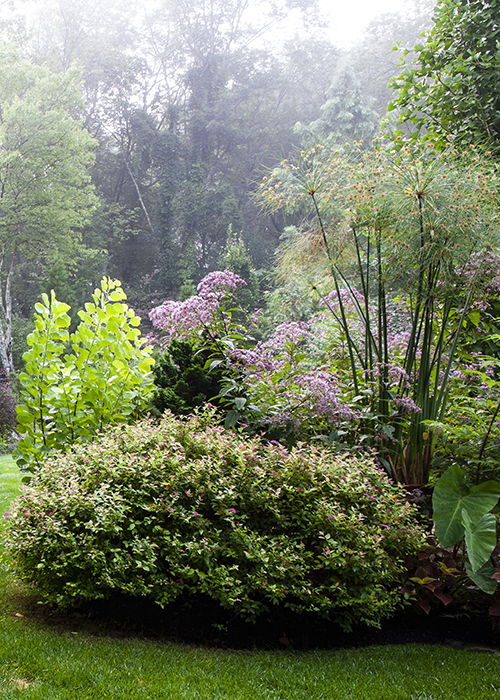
x=182 y=506
x=181 y=381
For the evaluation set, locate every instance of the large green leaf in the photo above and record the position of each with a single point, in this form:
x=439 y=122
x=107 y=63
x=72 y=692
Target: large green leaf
x=482 y=578
x=480 y=538
x=451 y=495
x=24 y=415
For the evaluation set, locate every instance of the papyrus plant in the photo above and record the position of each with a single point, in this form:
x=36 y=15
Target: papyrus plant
x=378 y=227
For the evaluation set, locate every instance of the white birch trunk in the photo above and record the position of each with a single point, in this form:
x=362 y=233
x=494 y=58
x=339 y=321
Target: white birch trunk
x=6 y=322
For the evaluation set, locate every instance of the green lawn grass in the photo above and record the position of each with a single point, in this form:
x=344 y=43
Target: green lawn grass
x=40 y=662
x=9 y=481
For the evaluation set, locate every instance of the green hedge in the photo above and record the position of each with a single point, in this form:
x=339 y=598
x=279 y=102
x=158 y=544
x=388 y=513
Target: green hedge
x=160 y=509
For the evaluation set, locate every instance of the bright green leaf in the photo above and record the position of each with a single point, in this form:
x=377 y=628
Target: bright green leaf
x=483 y=578
x=451 y=495
x=480 y=538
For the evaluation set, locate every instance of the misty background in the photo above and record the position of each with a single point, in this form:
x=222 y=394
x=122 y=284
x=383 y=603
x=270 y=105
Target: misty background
x=188 y=103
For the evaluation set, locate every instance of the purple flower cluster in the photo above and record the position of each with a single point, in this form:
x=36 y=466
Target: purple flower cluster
x=254 y=360
x=483 y=270
x=407 y=405
x=398 y=342
x=396 y=375
x=288 y=335
x=350 y=299
x=282 y=378
x=186 y=319
x=348 y=302
x=323 y=396
x=271 y=356
x=216 y=284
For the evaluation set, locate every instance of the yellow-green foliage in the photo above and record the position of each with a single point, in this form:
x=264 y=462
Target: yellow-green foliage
x=75 y=385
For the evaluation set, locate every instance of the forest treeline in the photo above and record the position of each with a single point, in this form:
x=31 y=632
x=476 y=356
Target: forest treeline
x=134 y=139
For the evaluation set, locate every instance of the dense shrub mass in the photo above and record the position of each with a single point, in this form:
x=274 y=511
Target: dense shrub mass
x=181 y=381
x=183 y=507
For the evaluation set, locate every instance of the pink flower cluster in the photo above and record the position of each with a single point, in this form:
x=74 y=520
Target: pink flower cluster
x=274 y=353
x=282 y=378
x=483 y=270
x=323 y=394
x=288 y=335
x=348 y=301
x=216 y=284
x=407 y=405
x=396 y=375
x=187 y=319
x=350 y=298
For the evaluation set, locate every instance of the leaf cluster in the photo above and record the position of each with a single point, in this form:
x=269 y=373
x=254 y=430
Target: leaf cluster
x=45 y=185
x=436 y=576
x=182 y=381
x=462 y=516
x=451 y=85
x=74 y=385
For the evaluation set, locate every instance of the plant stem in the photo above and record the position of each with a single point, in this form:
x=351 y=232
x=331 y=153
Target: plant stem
x=485 y=440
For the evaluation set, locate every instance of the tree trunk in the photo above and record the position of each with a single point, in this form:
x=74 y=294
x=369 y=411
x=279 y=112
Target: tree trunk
x=6 y=321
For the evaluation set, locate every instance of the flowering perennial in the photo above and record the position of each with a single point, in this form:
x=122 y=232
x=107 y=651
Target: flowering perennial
x=186 y=320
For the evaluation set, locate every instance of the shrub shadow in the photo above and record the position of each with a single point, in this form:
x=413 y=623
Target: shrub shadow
x=201 y=621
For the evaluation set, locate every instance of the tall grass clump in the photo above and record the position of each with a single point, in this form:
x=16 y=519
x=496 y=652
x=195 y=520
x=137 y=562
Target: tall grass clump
x=387 y=241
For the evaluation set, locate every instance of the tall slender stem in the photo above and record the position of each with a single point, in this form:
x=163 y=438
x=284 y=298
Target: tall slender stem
x=345 y=324
x=484 y=441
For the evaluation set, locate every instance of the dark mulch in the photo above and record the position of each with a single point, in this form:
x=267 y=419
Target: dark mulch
x=203 y=622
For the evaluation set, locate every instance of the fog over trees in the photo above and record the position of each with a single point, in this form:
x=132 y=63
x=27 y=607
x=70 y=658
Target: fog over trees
x=185 y=103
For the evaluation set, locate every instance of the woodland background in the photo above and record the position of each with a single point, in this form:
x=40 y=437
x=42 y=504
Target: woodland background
x=187 y=104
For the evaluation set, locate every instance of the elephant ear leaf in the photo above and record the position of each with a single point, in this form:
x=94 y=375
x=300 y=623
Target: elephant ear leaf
x=451 y=495
x=482 y=578
x=480 y=538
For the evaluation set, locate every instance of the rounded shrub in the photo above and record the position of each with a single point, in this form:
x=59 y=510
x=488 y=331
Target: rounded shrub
x=181 y=506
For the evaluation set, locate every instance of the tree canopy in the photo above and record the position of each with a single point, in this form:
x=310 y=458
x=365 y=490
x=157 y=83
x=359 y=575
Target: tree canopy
x=45 y=189
x=451 y=87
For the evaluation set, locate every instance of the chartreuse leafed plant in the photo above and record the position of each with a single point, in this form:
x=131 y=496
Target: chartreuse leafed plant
x=180 y=507
x=76 y=384
x=388 y=256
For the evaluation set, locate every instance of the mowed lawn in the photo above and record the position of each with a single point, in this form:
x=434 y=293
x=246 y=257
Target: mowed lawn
x=41 y=662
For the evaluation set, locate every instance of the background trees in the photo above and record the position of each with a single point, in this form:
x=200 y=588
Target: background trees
x=347 y=115
x=45 y=190
x=187 y=108
x=451 y=88
x=376 y=59
x=188 y=105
